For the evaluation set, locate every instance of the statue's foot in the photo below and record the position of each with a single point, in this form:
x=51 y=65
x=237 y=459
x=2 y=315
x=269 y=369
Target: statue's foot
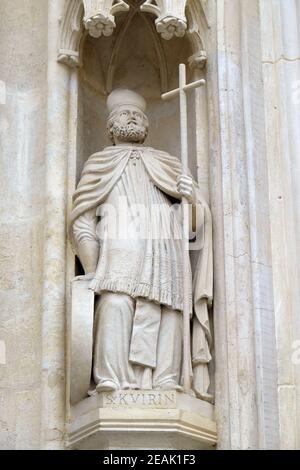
x=106 y=386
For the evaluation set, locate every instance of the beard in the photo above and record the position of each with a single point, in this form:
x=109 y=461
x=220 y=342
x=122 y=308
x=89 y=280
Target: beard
x=129 y=133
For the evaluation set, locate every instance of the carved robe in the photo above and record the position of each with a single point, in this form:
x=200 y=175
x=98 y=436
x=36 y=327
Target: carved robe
x=147 y=267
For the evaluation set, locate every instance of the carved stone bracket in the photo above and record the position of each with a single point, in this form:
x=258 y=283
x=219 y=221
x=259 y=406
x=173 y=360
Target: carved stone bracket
x=99 y=16
x=198 y=60
x=68 y=57
x=171 y=20
x=71 y=33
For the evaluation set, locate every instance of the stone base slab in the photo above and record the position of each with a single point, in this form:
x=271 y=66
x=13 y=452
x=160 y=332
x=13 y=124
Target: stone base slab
x=142 y=420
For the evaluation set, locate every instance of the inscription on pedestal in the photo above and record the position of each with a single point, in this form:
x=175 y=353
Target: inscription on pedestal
x=139 y=399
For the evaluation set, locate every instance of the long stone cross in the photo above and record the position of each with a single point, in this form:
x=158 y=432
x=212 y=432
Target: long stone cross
x=182 y=93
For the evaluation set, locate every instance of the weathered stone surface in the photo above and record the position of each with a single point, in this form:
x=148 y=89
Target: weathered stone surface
x=139 y=399
x=245 y=140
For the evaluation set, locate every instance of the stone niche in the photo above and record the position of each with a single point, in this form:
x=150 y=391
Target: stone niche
x=135 y=56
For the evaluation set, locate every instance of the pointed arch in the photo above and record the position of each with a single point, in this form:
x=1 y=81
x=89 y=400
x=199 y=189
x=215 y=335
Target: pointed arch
x=157 y=45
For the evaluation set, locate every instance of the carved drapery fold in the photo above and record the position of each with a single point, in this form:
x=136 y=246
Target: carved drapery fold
x=171 y=20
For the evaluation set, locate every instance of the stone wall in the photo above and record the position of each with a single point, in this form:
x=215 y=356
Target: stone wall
x=23 y=65
x=281 y=72
x=253 y=111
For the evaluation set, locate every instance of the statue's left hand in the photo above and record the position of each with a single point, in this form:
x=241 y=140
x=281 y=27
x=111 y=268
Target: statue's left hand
x=185 y=187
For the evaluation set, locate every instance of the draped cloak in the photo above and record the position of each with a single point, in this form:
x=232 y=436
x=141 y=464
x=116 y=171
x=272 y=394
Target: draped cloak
x=100 y=174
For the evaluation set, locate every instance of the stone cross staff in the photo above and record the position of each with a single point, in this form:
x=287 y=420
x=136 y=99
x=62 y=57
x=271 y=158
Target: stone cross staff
x=181 y=91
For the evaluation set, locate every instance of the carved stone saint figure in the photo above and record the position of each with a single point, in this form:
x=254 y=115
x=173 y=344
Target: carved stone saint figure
x=126 y=230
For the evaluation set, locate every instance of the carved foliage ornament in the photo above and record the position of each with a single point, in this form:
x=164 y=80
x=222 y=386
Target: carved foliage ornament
x=99 y=16
x=171 y=20
x=99 y=19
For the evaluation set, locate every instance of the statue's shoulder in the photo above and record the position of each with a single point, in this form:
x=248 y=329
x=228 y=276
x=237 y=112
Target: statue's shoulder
x=99 y=155
x=106 y=150
x=160 y=152
x=164 y=157
x=155 y=150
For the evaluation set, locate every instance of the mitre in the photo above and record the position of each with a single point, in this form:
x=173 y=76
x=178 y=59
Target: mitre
x=123 y=97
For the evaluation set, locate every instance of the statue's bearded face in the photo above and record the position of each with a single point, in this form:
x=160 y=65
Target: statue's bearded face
x=128 y=125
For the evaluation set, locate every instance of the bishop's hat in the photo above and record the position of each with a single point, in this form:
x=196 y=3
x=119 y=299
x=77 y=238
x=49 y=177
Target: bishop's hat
x=124 y=97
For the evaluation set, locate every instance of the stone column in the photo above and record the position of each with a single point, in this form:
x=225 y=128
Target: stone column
x=246 y=375
x=23 y=59
x=280 y=20
x=54 y=295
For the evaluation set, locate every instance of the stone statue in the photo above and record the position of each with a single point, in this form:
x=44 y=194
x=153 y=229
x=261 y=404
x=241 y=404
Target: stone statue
x=126 y=230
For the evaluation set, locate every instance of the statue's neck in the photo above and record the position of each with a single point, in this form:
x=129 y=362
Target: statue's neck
x=128 y=147
x=128 y=144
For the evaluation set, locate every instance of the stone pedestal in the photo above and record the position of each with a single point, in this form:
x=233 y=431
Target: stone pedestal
x=142 y=419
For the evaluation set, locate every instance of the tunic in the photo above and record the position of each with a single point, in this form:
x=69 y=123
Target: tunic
x=139 y=230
